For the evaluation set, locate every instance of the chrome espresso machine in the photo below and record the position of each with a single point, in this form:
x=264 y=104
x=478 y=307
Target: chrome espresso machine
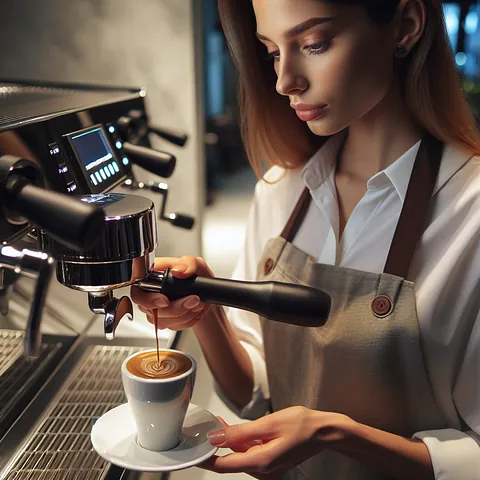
x=77 y=230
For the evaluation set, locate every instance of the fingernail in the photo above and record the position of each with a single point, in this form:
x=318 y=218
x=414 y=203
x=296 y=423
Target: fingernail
x=150 y=318
x=216 y=438
x=191 y=303
x=160 y=302
x=179 y=268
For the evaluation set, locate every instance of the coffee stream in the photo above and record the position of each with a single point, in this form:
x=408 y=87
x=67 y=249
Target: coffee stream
x=158 y=364
x=156 y=339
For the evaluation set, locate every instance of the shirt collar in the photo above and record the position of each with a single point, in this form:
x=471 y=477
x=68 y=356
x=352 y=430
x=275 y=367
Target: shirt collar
x=397 y=173
x=321 y=164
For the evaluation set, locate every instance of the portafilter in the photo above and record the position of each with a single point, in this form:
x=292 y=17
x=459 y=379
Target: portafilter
x=124 y=254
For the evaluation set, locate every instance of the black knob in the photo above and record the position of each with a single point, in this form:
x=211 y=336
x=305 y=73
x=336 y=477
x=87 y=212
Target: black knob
x=173 y=136
x=180 y=220
x=126 y=128
x=156 y=162
x=136 y=125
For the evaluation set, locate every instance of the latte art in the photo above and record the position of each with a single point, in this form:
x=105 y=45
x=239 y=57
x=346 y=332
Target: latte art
x=165 y=368
x=146 y=365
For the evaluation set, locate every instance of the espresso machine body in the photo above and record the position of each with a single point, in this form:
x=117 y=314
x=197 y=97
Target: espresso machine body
x=78 y=137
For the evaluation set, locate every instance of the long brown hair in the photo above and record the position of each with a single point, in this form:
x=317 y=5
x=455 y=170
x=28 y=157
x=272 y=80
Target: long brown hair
x=272 y=133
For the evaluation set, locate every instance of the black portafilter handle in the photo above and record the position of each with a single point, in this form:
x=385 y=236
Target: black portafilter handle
x=281 y=302
x=157 y=162
x=70 y=221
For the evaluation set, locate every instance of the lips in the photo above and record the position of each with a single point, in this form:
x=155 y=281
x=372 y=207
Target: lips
x=307 y=113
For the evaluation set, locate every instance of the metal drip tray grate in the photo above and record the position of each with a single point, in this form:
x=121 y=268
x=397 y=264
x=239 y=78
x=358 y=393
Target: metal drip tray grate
x=11 y=346
x=60 y=448
x=19 y=376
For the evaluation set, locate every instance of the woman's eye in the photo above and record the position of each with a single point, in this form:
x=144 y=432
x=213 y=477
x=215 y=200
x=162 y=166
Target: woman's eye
x=275 y=56
x=318 y=48
x=314 y=49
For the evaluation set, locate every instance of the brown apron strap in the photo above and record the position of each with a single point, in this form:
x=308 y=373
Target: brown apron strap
x=296 y=218
x=414 y=213
x=413 y=218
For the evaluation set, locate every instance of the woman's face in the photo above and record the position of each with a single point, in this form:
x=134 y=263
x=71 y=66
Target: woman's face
x=332 y=61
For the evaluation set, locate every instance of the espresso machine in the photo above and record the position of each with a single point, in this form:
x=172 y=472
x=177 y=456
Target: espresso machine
x=74 y=215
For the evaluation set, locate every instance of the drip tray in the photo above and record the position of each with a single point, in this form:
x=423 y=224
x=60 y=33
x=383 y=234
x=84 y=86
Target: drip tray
x=21 y=377
x=59 y=446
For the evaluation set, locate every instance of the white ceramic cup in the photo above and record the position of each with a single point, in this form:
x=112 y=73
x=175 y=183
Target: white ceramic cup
x=159 y=406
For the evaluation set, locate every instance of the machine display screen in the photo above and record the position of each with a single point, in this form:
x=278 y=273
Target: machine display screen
x=96 y=157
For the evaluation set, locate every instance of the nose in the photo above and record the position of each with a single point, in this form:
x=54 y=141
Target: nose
x=290 y=79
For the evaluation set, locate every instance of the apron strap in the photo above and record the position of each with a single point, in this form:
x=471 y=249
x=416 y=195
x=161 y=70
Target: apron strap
x=413 y=216
x=296 y=218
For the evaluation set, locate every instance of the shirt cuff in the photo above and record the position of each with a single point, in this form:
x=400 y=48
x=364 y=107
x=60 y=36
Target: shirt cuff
x=455 y=455
x=258 y=405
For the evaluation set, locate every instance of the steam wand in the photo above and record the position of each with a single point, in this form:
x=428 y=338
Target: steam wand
x=33 y=265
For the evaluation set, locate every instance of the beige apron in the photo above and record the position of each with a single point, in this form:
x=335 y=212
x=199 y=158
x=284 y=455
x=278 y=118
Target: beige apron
x=367 y=361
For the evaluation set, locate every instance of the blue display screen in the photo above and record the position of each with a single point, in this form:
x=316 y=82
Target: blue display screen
x=92 y=148
x=96 y=156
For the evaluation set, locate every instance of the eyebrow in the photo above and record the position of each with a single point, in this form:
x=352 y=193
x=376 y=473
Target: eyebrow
x=300 y=28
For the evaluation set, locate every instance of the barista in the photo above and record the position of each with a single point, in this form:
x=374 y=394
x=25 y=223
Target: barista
x=372 y=195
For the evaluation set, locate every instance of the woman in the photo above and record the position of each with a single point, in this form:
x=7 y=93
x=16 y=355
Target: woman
x=372 y=195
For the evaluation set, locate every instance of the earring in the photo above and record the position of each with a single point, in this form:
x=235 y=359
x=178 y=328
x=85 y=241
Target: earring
x=400 y=51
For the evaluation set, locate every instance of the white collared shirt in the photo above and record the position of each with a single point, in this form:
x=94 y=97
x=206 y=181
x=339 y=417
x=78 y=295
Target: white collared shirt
x=445 y=269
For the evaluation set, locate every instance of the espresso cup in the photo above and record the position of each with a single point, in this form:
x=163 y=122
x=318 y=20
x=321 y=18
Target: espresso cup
x=159 y=400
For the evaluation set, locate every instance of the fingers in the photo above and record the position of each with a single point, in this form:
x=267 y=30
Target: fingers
x=259 y=459
x=166 y=308
x=177 y=316
x=239 y=448
x=241 y=434
x=161 y=263
x=184 y=267
x=211 y=462
x=251 y=454
x=147 y=299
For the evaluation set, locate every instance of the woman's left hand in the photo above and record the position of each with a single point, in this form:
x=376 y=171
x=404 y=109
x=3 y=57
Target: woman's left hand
x=276 y=443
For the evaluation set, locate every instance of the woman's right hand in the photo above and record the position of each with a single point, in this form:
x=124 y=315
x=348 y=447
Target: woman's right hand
x=174 y=314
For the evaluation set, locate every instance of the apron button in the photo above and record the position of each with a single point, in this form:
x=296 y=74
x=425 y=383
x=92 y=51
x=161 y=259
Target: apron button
x=382 y=306
x=268 y=267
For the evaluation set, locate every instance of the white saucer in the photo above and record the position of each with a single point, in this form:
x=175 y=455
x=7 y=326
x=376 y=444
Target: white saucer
x=114 y=438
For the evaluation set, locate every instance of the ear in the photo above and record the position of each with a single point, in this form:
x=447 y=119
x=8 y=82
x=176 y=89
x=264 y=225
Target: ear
x=411 y=20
